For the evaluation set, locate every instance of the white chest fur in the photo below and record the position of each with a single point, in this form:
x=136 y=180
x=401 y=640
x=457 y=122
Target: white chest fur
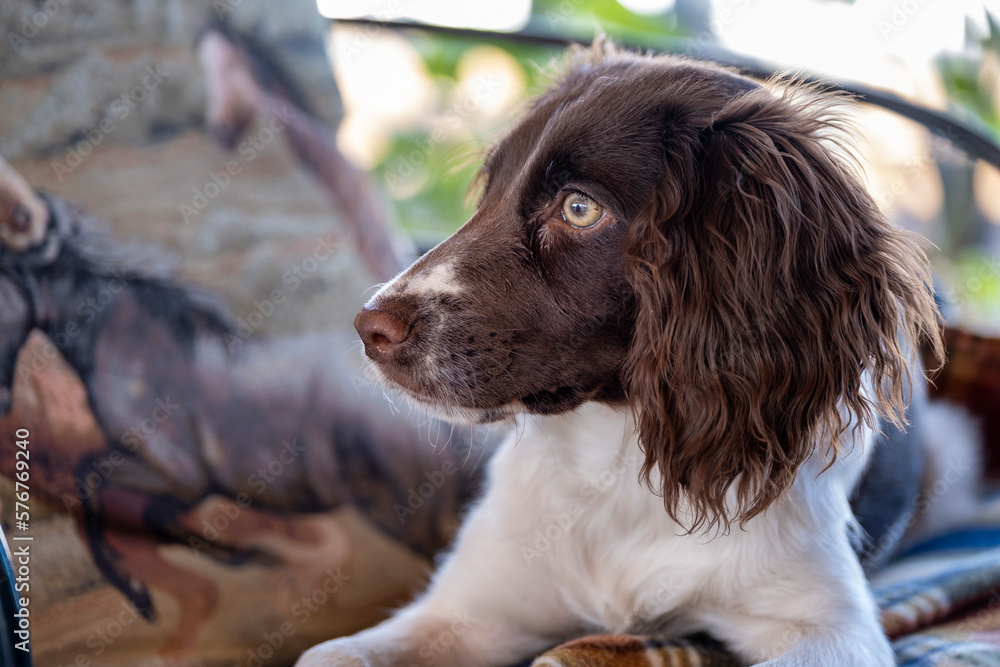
x=567 y=540
x=571 y=503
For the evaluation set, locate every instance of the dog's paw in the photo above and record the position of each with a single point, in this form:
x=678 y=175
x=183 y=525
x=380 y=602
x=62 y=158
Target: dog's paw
x=333 y=654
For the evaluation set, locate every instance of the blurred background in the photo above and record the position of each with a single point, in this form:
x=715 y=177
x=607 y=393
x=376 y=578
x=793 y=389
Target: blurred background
x=416 y=107
x=104 y=103
x=439 y=99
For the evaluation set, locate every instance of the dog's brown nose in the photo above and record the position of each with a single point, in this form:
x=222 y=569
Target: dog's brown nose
x=382 y=331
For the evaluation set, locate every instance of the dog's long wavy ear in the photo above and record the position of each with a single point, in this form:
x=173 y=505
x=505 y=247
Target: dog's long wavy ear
x=765 y=290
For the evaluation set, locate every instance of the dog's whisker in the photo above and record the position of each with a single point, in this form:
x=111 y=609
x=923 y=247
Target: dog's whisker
x=373 y=289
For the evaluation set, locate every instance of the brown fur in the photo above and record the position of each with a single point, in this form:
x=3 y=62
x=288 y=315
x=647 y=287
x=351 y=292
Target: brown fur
x=766 y=287
x=740 y=287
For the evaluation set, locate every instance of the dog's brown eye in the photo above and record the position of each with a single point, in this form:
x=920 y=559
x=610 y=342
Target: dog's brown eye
x=581 y=211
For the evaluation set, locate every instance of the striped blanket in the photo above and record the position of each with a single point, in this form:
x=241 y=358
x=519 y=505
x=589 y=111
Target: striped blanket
x=940 y=606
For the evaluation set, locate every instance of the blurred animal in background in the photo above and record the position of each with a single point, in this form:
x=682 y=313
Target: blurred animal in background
x=184 y=420
x=244 y=81
x=188 y=425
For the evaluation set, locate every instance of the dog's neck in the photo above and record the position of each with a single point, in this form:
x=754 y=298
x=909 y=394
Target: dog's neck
x=586 y=441
x=596 y=446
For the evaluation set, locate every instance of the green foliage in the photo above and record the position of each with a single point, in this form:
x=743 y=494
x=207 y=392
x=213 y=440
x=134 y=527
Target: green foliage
x=579 y=18
x=975 y=277
x=427 y=179
x=971 y=87
x=971 y=82
x=429 y=182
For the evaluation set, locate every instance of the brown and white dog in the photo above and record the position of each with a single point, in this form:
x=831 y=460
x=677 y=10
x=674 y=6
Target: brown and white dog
x=676 y=273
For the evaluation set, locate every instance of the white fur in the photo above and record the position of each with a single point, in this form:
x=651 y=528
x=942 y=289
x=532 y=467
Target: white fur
x=437 y=279
x=568 y=541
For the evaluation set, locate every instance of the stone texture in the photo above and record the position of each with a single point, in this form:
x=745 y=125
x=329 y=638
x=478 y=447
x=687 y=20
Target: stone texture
x=59 y=89
x=95 y=51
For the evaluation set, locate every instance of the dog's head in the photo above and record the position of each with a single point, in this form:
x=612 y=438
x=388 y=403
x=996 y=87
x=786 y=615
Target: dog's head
x=673 y=236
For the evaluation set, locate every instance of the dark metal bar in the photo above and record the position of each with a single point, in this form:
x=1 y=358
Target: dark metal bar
x=972 y=140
